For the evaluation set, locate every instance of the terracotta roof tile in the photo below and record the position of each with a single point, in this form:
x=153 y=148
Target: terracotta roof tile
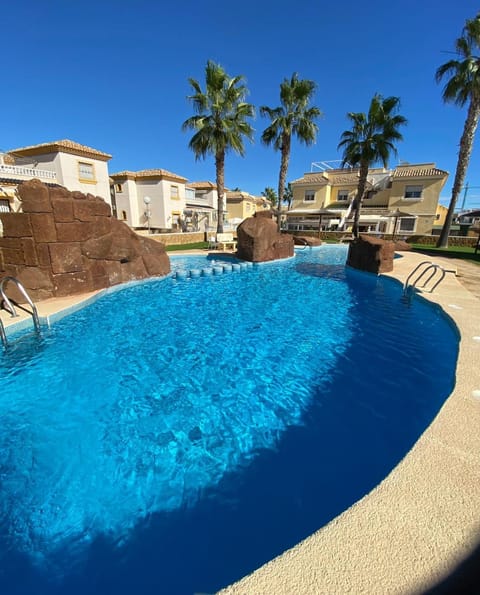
x=311 y=178
x=67 y=146
x=147 y=173
x=422 y=170
x=201 y=185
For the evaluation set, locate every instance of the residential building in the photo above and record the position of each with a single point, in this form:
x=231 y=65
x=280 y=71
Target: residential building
x=403 y=200
x=64 y=162
x=241 y=205
x=150 y=198
x=201 y=206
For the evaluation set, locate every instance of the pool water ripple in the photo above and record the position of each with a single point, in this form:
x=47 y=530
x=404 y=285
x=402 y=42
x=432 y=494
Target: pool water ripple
x=170 y=403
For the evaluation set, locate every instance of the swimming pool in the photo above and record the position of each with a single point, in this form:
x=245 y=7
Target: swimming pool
x=209 y=424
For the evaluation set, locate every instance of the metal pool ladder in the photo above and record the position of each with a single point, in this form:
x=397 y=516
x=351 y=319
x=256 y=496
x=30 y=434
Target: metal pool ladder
x=11 y=308
x=422 y=269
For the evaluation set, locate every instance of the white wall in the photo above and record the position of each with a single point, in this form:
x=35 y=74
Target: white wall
x=68 y=175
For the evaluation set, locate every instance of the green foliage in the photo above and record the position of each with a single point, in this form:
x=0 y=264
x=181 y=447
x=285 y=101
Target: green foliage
x=270 y=194
x=462 y=87
x=372 y=136
x=464 y=72
x=293 y=118
x=461 y=252
x=221 y=120
x=288 y=195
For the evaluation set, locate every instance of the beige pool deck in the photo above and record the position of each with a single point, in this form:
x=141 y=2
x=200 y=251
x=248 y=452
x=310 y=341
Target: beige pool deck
x=423 y=519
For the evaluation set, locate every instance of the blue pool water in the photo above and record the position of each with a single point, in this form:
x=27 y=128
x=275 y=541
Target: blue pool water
x=175 y=435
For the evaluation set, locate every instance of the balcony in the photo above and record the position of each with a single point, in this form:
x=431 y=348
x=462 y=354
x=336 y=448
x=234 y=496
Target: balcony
x=26 y=173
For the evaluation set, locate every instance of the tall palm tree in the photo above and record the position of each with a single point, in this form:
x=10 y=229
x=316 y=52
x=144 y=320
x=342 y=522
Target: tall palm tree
x=294 y=117
x=462 y=86
x=371 y=139
x=220 y=122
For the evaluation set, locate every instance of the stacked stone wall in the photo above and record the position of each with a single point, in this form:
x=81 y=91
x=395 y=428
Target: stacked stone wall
x=65 y=243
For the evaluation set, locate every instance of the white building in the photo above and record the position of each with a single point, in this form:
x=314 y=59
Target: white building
x=150 y=199
x=202 y=205
x=63 y=162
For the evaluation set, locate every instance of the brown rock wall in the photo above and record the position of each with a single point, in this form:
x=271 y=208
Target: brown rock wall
x=67 y=242
x=371 y=254
x=258 y=240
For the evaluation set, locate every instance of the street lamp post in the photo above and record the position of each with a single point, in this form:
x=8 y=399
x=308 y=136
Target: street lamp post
x=147 y=200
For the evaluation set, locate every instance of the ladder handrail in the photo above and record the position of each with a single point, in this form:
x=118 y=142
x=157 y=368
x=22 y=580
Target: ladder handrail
x=430 y=265
x=3 y=335
x=10 y=307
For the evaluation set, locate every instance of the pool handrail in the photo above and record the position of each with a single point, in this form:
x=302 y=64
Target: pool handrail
x=427 y=264
x=11 y=308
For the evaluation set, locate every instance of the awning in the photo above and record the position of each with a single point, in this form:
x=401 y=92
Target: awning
x=313 y=212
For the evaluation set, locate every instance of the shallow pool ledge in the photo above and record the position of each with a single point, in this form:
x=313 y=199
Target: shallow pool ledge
x=417 y=525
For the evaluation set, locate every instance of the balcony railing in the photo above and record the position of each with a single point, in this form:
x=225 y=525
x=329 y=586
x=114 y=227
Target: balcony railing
x=27 y=172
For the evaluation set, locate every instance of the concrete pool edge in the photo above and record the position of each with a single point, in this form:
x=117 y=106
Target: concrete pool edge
x=423 y=519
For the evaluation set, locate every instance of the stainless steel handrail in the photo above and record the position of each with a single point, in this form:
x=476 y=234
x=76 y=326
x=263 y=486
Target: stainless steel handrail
x=427 y=266
x=11 y=308
x=3 y=336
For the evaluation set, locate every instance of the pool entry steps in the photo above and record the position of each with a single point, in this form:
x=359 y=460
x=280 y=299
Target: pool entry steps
x=217 y=268
x=422 y=269
x=7 y=304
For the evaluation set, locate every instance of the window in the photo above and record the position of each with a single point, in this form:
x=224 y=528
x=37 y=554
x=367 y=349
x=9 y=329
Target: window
x=309 y=196
x=124 y=215
x=370 y=194
x=174 y=192
x=407 y=224
x=413 y=192
x=86 y=172
x=342 y=195
x=4 y=205
x=118 y=188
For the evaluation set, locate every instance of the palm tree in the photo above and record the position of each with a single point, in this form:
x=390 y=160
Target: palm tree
x=294 y=117
x=463 y=86
x=220 y=122
x=270 y=194
x=370 y=140
x=288 y=196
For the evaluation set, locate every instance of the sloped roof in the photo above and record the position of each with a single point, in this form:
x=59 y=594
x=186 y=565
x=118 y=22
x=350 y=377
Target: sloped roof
x=148 y=174
x=420 y=170
x=311 y=178
x=202 y=185
x=63 y=146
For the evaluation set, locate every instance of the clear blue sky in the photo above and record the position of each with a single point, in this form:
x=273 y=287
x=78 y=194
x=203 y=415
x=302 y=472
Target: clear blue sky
x=113 y=75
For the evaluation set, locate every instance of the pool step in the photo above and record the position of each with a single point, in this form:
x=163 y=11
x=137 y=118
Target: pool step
x=216 y=269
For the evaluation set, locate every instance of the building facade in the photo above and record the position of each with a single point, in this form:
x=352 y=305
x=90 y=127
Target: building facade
x=64 y=162
x=403 y=200
x=153 y=199
x=201 y=206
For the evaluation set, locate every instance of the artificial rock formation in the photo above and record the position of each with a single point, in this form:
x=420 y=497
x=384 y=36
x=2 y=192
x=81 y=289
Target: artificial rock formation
x=258 y=239
x=307 y=241
x=64 y=243
x=371 y=254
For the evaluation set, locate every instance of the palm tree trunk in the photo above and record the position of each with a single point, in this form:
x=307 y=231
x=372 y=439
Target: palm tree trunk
x=220 y=172
x=358 y=200
x=283 y=175
x=464 y=153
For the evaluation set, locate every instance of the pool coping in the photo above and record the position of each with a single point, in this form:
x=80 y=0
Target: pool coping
x=416 y=525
